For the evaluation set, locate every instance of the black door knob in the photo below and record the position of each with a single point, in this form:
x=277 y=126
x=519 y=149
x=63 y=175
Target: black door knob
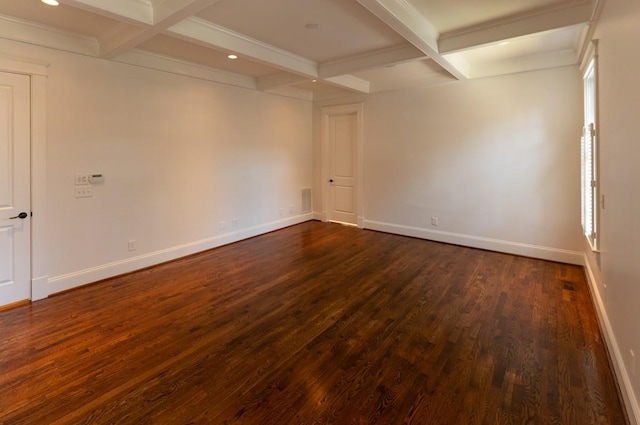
x=21 y=216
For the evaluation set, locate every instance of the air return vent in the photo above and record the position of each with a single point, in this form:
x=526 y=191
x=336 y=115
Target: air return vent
x=306 y=200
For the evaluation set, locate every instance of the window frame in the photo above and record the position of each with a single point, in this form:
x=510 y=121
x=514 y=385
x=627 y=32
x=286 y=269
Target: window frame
x=590 y=184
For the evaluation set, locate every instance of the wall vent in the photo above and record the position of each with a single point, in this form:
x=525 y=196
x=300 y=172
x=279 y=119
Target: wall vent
x=306 y=200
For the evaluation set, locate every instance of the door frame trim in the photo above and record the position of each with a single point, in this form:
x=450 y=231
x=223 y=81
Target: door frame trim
x=325 y=113
x=37 y=71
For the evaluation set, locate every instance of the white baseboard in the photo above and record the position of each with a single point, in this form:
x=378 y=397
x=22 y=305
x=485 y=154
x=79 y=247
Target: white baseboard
x=628 y=395
x=94 y=274
x=516 y=248
x=39 y=288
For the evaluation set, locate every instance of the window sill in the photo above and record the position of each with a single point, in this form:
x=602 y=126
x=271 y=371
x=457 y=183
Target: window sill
x=594 y=248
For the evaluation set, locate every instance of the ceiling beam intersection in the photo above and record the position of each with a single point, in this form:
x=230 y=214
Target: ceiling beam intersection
x=403 y=18
x=165 y=15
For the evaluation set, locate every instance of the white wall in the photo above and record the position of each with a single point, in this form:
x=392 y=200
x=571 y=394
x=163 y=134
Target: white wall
x=496 y=160
x=617 y=276
x=178 y=154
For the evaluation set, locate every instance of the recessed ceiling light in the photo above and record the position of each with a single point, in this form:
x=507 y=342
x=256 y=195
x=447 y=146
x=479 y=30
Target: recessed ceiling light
x=314 y=81
x=50 y=2
x=232 y=56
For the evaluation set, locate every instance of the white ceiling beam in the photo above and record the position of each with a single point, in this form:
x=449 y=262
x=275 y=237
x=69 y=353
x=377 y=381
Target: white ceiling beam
x=350 y=82
x=282 y=79
x=130 y=11
x=385 y=57
x=516 y=26
x=175 y=66
x=165 y=15
x=210 y=35
x=294 y=93
x=527 y=63
x=40 y=35
x=404 y=19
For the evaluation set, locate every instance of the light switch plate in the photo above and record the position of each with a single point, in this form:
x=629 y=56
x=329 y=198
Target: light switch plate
x=83 y=192
x=82 y=179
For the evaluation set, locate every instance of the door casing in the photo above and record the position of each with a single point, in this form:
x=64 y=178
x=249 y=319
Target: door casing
x=15 y=187
x=326 y=114
x=37 y=70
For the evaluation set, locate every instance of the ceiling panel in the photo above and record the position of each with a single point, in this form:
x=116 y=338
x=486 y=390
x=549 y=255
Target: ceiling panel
x=344 y=28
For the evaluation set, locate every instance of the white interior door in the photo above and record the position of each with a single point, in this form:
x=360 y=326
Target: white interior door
x=342 y=128
x=15 y=188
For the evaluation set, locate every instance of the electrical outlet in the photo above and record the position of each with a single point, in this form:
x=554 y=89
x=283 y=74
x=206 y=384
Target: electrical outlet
x=290 y=209
x=83 y=192
x=434 y=221
x=222 y=225
x=281 y=212
x=82 y=179
x=132 y=245
x=234 y=222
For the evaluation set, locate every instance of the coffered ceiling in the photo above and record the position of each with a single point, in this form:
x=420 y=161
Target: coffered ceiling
x=314 y=48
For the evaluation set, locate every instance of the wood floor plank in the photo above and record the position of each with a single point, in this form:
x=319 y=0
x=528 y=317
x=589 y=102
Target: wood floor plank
x=315 y=324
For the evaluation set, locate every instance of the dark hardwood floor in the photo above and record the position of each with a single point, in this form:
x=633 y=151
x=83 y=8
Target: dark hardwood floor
x=315 y=324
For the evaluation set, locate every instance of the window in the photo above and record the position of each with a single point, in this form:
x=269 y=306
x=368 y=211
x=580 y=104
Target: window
x=589 y=150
